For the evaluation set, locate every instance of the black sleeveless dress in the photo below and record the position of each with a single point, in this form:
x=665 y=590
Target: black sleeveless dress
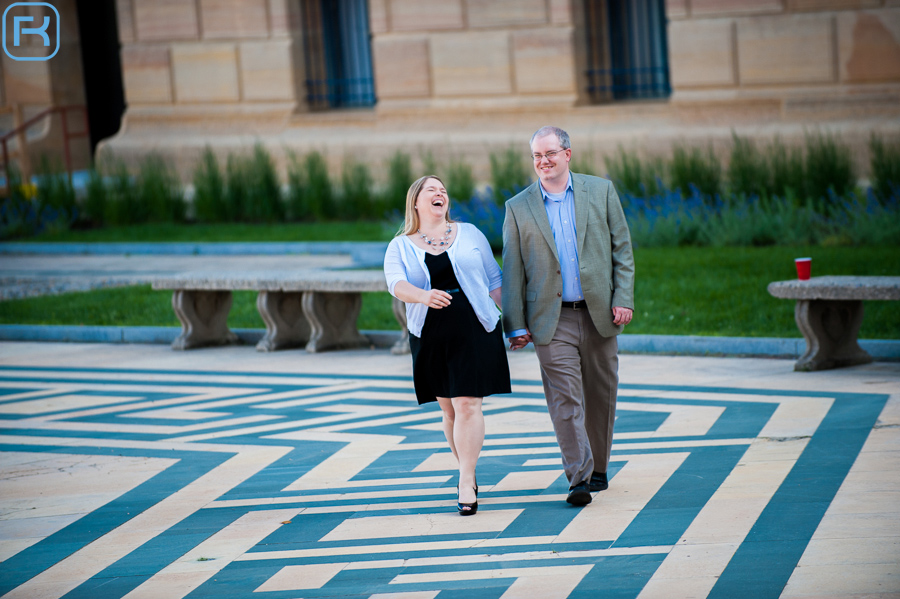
x=456 y=357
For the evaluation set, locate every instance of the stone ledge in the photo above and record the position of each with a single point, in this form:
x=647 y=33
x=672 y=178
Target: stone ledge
x=327 y=281
x=842 y=288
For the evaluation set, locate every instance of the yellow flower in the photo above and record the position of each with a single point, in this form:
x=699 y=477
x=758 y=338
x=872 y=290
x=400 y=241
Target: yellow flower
x=29 y=190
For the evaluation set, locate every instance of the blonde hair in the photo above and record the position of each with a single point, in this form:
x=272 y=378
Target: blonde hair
x=411 y=224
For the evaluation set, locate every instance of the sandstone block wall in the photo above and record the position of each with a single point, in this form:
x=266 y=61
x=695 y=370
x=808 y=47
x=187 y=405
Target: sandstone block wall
x=462 y=74
x=437 y=53
x=783 y=47
x=192 y=52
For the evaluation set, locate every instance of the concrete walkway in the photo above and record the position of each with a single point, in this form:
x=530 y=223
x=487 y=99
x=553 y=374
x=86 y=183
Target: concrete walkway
x=134 y=471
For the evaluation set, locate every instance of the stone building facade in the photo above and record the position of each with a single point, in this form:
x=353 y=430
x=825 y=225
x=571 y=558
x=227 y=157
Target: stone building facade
x=465 y=77
x=30 y=87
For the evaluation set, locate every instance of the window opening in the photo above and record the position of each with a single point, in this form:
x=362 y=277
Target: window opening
x=627 y=50
x=338 y=54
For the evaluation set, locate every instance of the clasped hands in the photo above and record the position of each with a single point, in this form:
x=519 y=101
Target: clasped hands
x=621 y=316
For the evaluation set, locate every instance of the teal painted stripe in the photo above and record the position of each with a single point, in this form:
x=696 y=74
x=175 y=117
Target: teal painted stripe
x=203 y=373
x=276 y=375
x=780 y=536
x=33 y=560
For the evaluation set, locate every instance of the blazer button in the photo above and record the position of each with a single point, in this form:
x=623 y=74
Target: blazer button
x=559 y=295
x=557 y=272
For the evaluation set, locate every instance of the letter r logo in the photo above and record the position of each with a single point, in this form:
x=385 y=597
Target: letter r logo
x=20 y=31
x=41 y=31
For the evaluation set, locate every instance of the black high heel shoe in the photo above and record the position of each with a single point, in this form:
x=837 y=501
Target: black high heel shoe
x=466 y=509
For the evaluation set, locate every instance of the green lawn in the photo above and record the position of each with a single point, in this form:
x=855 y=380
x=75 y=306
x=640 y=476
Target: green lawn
x=679 y=291
x=280 y=232
x=722 y=291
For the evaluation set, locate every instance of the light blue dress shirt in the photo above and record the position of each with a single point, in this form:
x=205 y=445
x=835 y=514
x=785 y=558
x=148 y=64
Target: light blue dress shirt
x=561 y=213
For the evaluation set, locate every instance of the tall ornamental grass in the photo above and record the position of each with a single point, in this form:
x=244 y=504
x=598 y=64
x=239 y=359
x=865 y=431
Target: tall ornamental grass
x=310 y=190
x=357 y=197
x=885 y=168
x=122 y=199
x=829 y=167
x=115 y=197
x=54 y=189
x=160 y=198
x=209 y=190
x=787 y=170
x=509 y=174
x=459 y=180
x=632 y=175
x=748 y=170
x=769 y=194
x=670 y=219
x=584 y=162
x=693 y=170
x=252 y=188
x=96 y=200
x=400 y=177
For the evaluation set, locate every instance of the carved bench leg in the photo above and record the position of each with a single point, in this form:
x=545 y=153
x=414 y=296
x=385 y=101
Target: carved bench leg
x=204 y=318
x=286 y=326
x=830 y=328
x=402 y=345
x=332 y=320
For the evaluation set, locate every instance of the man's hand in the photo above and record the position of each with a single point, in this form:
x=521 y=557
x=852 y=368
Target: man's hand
x=519 y=342
x=621 y=315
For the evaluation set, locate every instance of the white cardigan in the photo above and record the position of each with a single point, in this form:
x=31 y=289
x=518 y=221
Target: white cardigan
x=473 y=264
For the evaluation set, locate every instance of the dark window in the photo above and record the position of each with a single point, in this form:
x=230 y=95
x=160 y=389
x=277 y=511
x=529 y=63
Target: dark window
x=627 y=50
x=338 y=55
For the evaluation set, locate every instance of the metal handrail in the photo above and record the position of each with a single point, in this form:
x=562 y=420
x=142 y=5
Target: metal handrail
x=62 y=110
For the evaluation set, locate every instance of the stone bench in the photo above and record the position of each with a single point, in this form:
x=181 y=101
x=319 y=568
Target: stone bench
x=317 y=309
x=829 y=312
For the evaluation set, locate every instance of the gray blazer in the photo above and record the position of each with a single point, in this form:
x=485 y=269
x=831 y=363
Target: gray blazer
x=532 y=283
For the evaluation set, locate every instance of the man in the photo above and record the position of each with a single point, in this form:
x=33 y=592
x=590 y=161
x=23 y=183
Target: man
x=568 y=286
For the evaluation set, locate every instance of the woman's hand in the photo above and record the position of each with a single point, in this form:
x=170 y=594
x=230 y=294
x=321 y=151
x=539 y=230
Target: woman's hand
x=435 y=298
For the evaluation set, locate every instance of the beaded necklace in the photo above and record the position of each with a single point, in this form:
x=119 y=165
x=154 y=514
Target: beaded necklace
x=437 y=244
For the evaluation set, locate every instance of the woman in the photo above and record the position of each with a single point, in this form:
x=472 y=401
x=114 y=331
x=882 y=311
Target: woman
x=446 y=274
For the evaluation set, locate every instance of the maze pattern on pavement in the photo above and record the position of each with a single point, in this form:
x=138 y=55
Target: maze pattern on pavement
x=149 y=484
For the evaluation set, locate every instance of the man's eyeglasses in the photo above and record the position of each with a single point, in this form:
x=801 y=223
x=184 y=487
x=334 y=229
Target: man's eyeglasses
x=551 y=155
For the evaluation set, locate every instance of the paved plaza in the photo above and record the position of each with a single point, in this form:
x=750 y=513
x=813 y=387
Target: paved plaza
x=137 y=471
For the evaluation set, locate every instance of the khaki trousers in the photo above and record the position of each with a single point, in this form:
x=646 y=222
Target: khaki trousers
x=579 y=369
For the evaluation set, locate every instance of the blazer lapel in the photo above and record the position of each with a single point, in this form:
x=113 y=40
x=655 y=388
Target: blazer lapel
x=582 y=199
x=536 y=203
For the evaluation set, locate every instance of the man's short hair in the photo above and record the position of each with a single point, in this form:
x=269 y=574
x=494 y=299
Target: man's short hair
x=561 y=135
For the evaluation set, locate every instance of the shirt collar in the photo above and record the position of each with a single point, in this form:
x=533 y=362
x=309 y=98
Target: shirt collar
x=548 y=198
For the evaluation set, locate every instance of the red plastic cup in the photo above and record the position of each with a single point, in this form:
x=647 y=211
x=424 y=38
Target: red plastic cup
x=804 y=265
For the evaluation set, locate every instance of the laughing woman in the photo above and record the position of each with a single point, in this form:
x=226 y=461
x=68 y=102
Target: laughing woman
x=446 y=274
